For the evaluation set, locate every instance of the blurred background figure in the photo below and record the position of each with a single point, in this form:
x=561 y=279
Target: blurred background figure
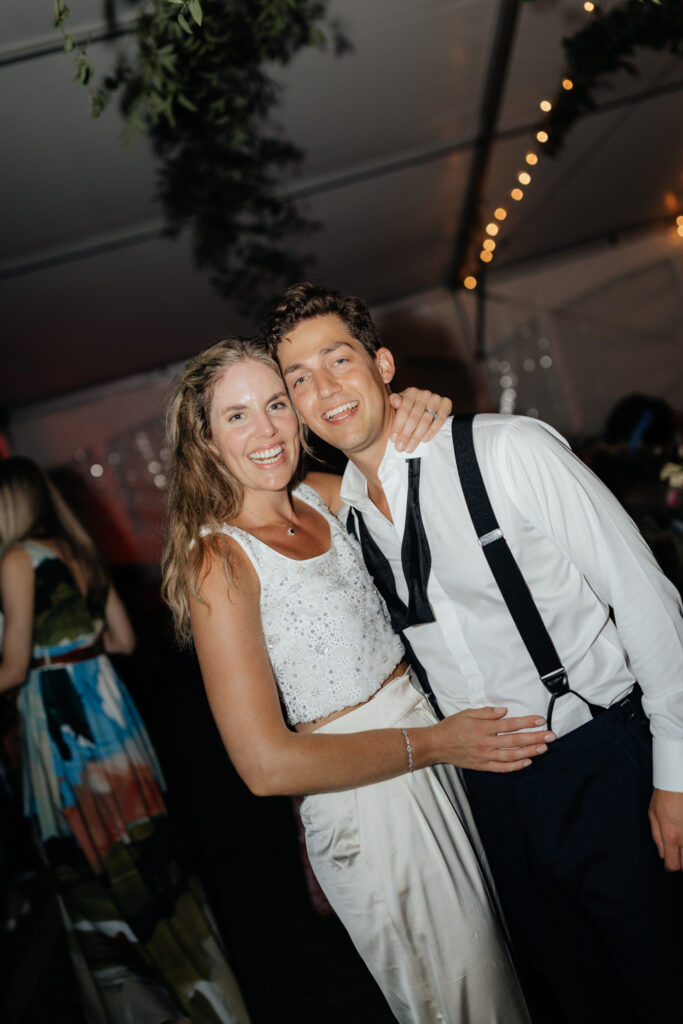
x=637 y=457
x=141 y=937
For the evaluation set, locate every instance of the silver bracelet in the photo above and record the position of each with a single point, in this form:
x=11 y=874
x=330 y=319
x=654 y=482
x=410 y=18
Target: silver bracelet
x=406 y=737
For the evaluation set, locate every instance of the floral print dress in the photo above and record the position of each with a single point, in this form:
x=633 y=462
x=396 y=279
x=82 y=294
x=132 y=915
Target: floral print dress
x=144 y=945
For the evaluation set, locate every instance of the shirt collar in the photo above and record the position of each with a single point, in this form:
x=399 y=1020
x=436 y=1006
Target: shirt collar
x=354 y=486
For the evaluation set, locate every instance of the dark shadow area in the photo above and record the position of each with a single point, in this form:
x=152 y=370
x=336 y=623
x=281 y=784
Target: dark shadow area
x=426 y=358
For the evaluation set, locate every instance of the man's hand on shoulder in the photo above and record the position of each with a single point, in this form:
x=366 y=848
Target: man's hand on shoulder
x=666 y=821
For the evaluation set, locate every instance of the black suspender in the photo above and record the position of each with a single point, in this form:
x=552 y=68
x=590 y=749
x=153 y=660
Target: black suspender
x=506 y=572
x=502 y=564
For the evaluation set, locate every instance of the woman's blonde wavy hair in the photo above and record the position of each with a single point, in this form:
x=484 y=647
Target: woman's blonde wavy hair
x=202 y=492
x=31 y=508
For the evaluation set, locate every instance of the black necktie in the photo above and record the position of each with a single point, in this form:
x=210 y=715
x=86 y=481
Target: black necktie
x=379 y=568
x=416 y=558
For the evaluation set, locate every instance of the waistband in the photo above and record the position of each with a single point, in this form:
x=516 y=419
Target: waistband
x=382 y=711
x=69 y=657
x=594 y=733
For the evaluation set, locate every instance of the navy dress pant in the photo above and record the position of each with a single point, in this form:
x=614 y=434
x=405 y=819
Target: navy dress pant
x=596 y=922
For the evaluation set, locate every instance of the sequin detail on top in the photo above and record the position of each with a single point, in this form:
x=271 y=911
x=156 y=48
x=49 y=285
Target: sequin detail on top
x=327 y=630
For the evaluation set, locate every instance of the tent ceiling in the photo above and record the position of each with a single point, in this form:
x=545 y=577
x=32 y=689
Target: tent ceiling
x=91 y=292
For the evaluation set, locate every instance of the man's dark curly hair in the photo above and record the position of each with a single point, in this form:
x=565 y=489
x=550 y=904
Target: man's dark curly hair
x=304 y=301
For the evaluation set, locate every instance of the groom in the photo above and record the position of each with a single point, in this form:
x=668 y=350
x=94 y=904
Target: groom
x=592 y=894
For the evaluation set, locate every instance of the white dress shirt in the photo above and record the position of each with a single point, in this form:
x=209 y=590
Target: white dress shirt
x=579 y=553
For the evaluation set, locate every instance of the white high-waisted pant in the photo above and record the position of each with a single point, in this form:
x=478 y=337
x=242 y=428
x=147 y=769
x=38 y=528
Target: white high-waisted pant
x=397 y=862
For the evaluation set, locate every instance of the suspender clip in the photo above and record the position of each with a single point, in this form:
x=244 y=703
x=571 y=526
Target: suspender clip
x=556 y=682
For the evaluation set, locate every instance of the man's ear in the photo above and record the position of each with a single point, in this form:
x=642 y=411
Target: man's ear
x=385 y=364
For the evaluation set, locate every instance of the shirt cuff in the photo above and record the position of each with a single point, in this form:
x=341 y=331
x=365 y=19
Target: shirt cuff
x=667 y=765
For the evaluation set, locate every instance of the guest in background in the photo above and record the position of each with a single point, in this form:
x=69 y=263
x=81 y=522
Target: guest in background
x=143 y=942
x=637 y=457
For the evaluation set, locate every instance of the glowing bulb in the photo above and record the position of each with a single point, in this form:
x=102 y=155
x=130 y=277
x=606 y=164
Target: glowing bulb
x=489 y=244
x=679 y=229
x=567 y=84
x=524 y=177
x=500 y=214
x=470 y=282
x=485 y=256
x=517 y=194
x=531 y=159
x=545 y=106
x=679 y=219
x=589 y=6
x=492 y=229
x=542 y=136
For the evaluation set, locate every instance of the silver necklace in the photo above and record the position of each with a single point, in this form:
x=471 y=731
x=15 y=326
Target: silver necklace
x=288 y=526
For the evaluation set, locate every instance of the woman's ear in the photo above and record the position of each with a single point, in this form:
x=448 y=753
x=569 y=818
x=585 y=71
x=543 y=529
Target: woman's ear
x=385 y=364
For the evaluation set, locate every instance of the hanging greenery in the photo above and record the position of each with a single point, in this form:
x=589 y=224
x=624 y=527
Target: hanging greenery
x=198 y=85
x=604 y=47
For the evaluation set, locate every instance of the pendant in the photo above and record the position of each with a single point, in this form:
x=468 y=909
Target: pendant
x=291 y=531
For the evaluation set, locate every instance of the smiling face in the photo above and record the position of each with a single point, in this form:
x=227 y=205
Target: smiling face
x=254 y=428
x=338 y=389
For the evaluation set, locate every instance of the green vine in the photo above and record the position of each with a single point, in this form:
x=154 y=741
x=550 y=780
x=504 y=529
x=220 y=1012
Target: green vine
x=199 y=88
x=604 y=47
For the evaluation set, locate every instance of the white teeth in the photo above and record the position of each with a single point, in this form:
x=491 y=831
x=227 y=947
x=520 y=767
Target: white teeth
x=268 y=455
x=340 y=409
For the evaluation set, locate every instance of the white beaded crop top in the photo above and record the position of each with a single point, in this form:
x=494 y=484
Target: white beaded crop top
x=327 y=630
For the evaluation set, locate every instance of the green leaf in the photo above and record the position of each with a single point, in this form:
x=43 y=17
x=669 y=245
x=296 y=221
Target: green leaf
x=183 y=23
x=188 y=104
x=195 y=9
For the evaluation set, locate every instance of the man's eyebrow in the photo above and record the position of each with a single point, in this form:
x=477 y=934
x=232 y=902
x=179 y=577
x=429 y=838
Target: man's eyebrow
x=323 y=352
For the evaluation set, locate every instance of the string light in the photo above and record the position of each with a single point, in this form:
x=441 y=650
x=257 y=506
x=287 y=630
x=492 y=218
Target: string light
x=679 y=229
x=524 y=178
x=679 y=220
x=589 y=6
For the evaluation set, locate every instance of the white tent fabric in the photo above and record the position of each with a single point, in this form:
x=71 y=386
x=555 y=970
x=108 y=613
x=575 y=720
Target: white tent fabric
x=91 y=292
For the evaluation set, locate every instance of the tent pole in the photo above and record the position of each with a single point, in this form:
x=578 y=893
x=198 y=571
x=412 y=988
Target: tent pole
x=493 y=94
